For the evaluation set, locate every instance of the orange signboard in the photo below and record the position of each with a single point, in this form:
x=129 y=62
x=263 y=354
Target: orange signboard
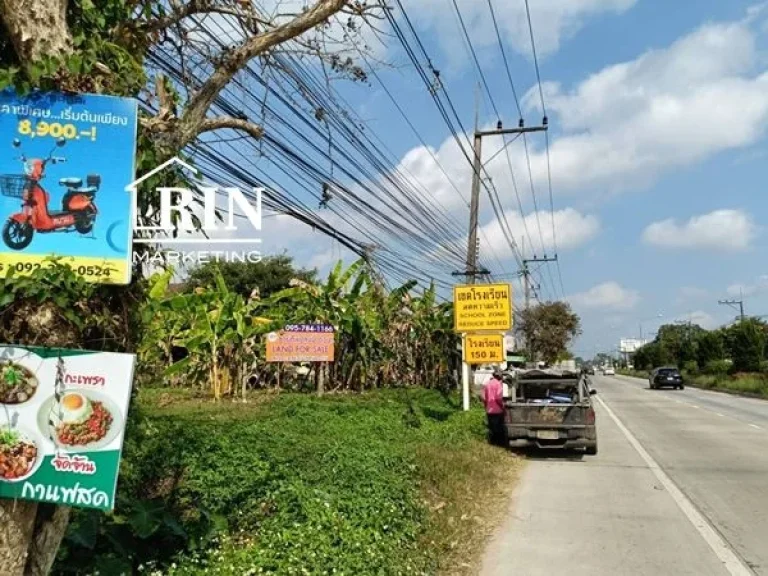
x=300 y=346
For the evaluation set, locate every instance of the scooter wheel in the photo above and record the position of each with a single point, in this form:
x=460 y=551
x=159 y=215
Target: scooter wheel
x=84 y=224
x=17 y=235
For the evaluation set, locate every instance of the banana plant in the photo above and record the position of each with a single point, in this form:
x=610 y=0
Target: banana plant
x=216 y=326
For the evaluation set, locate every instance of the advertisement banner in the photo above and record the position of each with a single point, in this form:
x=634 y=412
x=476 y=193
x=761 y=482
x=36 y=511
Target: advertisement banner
x=61 y=424
x=301 y=343
x=64 y=166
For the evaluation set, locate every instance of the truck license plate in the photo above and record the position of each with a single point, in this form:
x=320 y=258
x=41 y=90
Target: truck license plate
x=548 y=434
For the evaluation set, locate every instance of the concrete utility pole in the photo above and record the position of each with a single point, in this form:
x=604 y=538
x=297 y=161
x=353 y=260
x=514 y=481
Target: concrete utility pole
x=474 y=207
x=733 y=304
x=476 y=175
x=527 y=273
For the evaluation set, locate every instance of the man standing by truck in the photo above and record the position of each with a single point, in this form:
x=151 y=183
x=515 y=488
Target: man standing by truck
x=493 y=399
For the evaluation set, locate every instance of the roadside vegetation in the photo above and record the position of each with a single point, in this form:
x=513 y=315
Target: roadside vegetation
x=392 y=482
x=224 y=473
x=732 y=359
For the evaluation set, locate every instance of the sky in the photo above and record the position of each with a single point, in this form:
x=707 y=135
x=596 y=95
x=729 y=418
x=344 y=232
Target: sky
x=658 y=118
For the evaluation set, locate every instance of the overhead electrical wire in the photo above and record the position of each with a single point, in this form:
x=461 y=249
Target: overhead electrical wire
x=435 y=92
x=484 y=82
x=546 y=136
x=425 y=146
x=307 y=167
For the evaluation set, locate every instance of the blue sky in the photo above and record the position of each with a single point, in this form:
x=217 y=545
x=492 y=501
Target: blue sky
x=658 y=115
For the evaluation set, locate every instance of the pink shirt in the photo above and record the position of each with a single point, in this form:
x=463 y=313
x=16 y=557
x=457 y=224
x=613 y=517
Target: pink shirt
x=493 y=396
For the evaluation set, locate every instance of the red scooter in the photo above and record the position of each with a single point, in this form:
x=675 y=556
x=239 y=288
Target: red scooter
x=78 y=210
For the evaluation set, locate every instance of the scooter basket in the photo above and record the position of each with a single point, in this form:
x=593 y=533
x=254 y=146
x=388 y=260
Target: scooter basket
x=12 y=185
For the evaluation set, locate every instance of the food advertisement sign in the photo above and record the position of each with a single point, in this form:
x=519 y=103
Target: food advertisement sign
x=479 y=307
x=484 y=348
x=62 y=418
x=65 y=160
x=301 y=343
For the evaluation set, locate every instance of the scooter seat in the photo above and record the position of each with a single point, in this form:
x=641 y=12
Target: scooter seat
x=71 y=182
x=85 y=190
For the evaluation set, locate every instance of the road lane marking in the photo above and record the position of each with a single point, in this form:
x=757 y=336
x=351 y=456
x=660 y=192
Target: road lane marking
x=721 y=415
x=731 y=562
x=694 y=406
x=755 y=426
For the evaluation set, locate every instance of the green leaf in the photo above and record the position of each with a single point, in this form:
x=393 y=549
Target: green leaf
x=178 y=367
x=146 y=518
x=173 y=526
x=86 y=530
x=114 y=565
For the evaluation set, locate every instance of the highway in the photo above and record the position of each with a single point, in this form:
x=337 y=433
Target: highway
x=679 y=486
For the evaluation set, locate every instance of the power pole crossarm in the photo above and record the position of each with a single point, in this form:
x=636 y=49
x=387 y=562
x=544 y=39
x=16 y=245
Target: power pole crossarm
x=733 y=304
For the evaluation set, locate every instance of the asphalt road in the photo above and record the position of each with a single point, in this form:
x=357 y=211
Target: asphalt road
x=680 y=486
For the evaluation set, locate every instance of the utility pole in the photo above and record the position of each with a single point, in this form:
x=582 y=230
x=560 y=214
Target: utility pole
x=474 y=206
x=733 y=304
x=475 y=199
x=527 y=273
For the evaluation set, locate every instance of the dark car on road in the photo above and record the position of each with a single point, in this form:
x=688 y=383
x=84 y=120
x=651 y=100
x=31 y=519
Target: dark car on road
x=666 y=376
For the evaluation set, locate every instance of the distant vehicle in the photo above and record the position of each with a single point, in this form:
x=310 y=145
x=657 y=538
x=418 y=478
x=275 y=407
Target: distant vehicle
x=666 y=376
x=609 y=371
x=591 y=370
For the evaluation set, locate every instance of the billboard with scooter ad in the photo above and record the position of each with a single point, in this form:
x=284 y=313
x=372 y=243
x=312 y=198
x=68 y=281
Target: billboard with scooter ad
x=63 y=172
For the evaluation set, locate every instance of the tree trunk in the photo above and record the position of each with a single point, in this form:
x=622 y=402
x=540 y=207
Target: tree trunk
x=50 y=526
x=17 y=520
x=320 y=378
x=37 y=28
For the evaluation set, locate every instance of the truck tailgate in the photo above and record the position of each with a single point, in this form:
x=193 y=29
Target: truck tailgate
x=546 y=415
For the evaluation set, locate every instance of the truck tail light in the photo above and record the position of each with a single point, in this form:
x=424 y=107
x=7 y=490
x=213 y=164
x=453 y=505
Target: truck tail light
x=590 y=416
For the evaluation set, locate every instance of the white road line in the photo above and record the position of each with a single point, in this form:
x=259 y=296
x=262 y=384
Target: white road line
x=755 y=426
x=694 y=406
x=730 y=561
x=721 y=415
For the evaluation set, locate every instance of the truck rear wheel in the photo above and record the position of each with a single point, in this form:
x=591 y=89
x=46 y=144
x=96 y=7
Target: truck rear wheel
x=592 y=449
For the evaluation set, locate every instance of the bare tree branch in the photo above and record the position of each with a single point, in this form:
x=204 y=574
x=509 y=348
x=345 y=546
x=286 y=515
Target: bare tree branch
x=234 y=60
x=180 y=12
x=220 y=122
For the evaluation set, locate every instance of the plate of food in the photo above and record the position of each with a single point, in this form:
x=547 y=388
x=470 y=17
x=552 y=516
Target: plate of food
x=17 y=383
x=20 y=455
x=84 y=420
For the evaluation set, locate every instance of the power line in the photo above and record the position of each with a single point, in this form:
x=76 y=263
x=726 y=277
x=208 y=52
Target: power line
x=546 y=138
x=477 y=62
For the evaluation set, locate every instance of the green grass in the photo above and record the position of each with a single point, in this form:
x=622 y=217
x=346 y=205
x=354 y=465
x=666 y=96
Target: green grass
x=393 y=482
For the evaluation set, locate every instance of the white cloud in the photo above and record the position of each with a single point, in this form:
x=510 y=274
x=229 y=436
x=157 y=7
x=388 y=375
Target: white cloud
x=572 y=229
x=760 y=285
x=553 y=21
x=700 y=317
x=668 y=107
x=608 y=295
x=629 y=123
x=719 y=230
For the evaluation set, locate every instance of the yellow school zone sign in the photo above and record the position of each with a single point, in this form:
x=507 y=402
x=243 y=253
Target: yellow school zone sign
x=484 y=348
x=482 y=307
